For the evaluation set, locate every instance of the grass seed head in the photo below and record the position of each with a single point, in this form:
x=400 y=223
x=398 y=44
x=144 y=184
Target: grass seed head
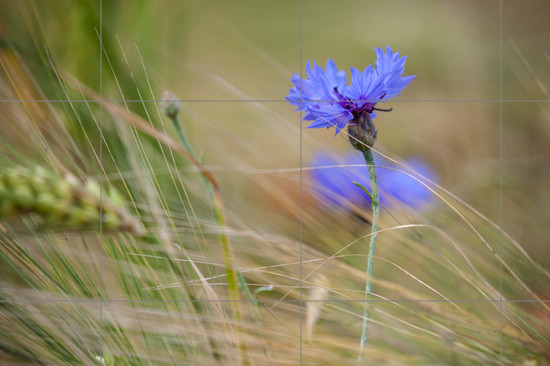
x=62 y=201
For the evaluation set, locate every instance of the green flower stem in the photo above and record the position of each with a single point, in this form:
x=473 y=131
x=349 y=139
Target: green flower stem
x=183 y=137
x=369 y=159
x=217 y=208
x=234 y=276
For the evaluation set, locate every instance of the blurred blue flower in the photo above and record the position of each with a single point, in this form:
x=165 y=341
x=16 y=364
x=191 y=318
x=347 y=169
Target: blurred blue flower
x=333 y=181
x=328 y=102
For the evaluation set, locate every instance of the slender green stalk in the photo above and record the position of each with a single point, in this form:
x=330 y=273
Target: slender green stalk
x=217 y=208
x=369 y=159
x=182 y=136
x=233 y=274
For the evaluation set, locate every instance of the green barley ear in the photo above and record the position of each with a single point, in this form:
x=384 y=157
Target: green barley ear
x=63 y=201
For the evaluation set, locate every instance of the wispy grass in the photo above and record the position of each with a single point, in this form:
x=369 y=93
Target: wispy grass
x=165 y=291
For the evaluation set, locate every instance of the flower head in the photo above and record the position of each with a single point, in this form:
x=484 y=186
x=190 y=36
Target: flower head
x=334 y=184
x=169 y=104
x=328 y=102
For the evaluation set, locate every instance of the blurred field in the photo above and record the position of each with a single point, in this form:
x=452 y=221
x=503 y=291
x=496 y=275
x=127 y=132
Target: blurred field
x=165 y=294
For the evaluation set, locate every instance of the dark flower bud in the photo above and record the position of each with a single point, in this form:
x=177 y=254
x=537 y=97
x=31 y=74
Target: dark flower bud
x=362 y=133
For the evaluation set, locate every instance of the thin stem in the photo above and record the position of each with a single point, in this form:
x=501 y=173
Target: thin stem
x=182 y=136
x=217 y=208
x=369 y=159
x=232 y=273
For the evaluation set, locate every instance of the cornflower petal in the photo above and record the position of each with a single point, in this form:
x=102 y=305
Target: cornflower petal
x=366 y=86
x=335 y=78
x=392 y=66
x=314 y=88
x=334 y=180
x=330 y=115
x=328 y=102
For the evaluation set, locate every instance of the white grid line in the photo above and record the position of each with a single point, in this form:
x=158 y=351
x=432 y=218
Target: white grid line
x=269 y=101
x=301 y=191
x=274 y=301
x=100 y=361
x=301 y=301
x=500 y=186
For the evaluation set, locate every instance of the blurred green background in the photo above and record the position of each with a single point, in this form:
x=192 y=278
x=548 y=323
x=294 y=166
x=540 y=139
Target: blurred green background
x=231 y=62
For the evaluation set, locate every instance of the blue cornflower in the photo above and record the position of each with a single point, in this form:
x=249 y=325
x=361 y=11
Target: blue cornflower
x=334 y=184
x=328 y=102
